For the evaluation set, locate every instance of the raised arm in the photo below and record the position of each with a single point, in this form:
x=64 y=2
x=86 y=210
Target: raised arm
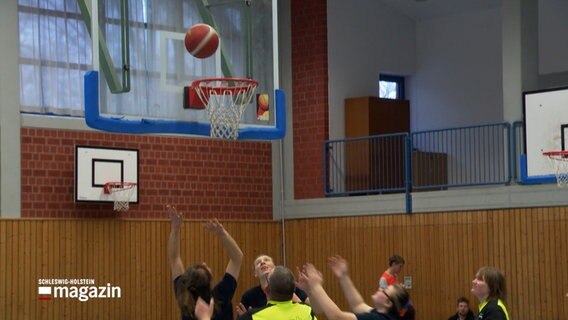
x=310 y=280
x=174 y=257
x=231 y=246
x=339 y=267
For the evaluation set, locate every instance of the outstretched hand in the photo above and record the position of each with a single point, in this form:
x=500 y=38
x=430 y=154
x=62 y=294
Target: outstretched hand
x=175 y=217
x=215 y=226
x=308 y=277
x=338 y=265
x=204 y=311
x=241 y=309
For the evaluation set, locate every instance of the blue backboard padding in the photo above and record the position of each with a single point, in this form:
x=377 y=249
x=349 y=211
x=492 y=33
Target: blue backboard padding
x=142 y=126
x=525 y=179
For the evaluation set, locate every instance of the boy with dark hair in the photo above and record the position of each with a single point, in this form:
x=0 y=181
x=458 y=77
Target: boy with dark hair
x=390 y=276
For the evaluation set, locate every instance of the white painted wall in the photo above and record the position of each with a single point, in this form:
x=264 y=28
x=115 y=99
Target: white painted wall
x=454 y=63
x=458 y=71
x=553 y=37
x=10 y=185
x=364 y=40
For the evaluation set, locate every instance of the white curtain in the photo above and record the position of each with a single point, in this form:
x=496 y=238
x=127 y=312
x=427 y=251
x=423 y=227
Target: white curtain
x=55 y=52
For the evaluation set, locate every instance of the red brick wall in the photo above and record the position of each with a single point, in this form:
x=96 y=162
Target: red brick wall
x=310 y=101
x=202 y=177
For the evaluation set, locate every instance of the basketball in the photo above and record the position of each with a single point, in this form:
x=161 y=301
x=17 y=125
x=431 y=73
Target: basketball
x=201 y=40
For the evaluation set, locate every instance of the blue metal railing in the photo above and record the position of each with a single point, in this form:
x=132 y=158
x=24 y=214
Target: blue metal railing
x=424 y=160
x=517 y=147
x=471 y=156
x=374 y=164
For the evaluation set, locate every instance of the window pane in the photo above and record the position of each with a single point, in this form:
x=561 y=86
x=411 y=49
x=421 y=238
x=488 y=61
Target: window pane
x=388 y=90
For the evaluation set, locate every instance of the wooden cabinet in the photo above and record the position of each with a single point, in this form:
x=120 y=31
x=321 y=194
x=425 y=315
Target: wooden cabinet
x=429 y=169
x=367 y=116
x=378 y=163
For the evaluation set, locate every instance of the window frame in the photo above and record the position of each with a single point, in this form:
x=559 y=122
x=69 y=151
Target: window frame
x=399 y=80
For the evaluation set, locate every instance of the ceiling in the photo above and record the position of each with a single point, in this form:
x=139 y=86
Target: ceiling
x=427 y=9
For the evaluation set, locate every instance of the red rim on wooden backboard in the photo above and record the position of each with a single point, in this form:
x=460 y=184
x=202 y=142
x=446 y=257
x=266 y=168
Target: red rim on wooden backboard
x=121 y=193
x=558 y=160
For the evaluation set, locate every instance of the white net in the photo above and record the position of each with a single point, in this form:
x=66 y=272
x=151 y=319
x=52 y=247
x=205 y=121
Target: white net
x=121 y=195
x=226 y=101
x=559 y=162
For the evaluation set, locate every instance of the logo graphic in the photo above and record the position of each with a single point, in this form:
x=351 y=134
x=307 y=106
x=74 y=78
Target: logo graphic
x=44 y=293
x=80 y=289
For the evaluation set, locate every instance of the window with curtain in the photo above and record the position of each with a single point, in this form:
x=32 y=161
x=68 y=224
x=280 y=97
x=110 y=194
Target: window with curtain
x=55 y=53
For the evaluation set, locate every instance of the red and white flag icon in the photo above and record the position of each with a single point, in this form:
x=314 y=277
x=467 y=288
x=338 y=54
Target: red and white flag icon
x=44 y=293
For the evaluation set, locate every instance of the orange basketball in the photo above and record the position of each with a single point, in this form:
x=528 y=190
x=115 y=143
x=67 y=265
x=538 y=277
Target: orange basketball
x=201 y=40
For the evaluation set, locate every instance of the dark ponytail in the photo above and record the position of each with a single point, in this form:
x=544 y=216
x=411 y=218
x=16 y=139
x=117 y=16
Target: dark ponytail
x=195 y=282
x=402 y=305
x=184 y=299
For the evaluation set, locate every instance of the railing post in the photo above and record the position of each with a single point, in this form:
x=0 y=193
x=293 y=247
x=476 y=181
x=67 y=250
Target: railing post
x=511 y=150
x=408 y=172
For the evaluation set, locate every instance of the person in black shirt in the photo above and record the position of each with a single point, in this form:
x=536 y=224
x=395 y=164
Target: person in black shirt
x=196 y=281
x=462 y=310
x=489 y=287
x=257 y=296
x=391 y=303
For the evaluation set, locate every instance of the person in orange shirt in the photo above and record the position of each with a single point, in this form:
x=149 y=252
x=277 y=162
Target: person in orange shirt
x=390 y=276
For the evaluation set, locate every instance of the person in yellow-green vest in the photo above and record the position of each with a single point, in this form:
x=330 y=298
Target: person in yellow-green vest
x=490 y=289
x=281 y=285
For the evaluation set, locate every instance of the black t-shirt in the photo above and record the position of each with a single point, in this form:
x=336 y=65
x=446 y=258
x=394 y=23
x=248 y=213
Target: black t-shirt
x=223 y=293
x=372 y=315
x=468 y=316
x=491 y=311
x=255 y=297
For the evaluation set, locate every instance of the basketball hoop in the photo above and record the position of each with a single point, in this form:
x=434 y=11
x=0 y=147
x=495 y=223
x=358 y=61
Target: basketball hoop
x=559 y=161
x=121 y=193
x=225 y=100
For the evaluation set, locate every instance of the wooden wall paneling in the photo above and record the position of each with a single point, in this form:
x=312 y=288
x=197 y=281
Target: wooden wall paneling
x=541 y=260
x=110 y=246
x=463 y=240
x=533 y=256
x=442 y=250
x=501 y=240
x=419 y=278
x=562 y=259
x=35 y=273
x=4 y=271
x=546 y=273
x=556 y=278
x=11 y=270
x=530 y=258
x=17 y=293
x=521 y=242
x=136 y=262
x=17 y=245
x=43 y=254
x=25 y=269
x=153 y=230
x=444 y=256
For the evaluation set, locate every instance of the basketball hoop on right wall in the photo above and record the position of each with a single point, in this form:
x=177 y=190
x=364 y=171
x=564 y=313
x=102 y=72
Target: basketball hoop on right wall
x=225 y=100
x=121 y=193
x=558 y=160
